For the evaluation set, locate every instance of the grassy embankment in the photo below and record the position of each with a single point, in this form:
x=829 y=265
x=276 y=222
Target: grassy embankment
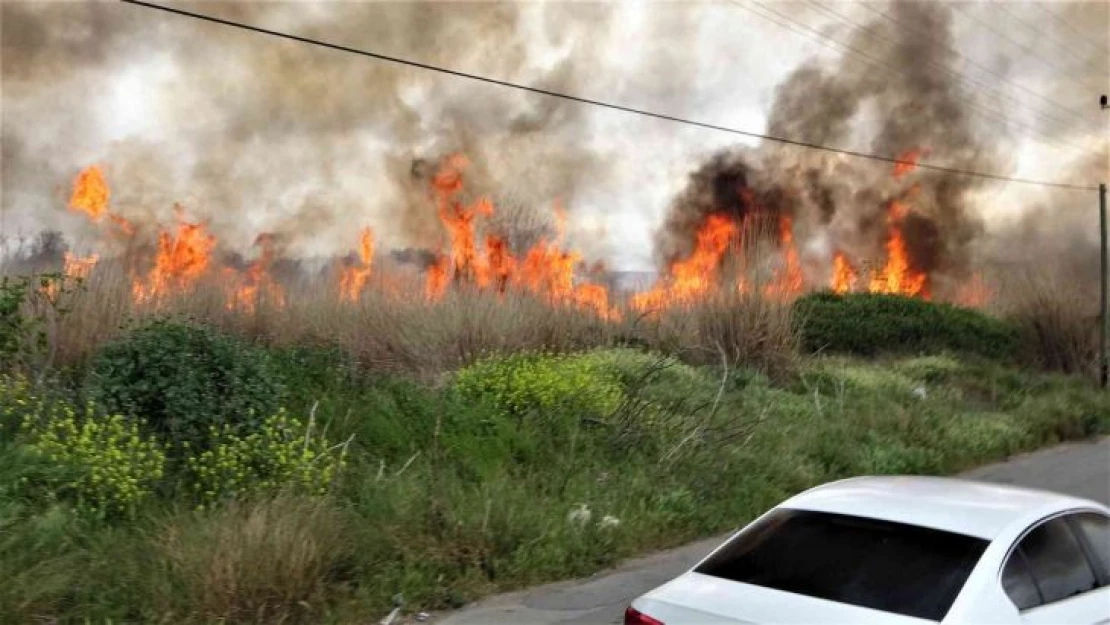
x=409 y=462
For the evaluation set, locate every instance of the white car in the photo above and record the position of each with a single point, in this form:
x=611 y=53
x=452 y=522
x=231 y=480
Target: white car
x=901 y=550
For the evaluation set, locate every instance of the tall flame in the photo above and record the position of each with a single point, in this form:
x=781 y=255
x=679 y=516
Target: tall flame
x=545 y=270
x=91 y=196
x=353 y=279
x=90 y=193
x=844 y=275
x=182 y=258
x=789 y=279
x=693 y=276
x=76 y=268
x=897 y=276
x=256 y=282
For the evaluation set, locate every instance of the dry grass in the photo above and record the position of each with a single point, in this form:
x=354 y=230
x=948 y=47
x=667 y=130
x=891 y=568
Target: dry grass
x=394 y=328
x=1057 y=318
x=275 y=561
x=748 y=329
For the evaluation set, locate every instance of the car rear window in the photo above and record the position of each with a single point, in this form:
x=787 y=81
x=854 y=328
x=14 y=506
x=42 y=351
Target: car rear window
x=893 y=567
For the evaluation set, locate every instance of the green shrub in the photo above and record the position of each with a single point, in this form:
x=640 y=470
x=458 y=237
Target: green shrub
x=184 y=380
x=868 y=324
x=111 y=466
x=536 y=383
x=17 y=397
x=283 y=454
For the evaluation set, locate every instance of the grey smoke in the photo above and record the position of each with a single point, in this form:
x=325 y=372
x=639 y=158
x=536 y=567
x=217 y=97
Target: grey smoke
x=261 y=135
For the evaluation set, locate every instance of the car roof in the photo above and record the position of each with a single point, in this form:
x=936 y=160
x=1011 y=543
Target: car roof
x=950 y=504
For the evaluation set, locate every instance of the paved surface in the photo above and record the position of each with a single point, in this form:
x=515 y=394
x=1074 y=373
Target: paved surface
x=1081 y=469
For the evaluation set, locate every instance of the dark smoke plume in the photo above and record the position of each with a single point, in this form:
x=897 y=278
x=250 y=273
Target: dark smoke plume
x=922 y=110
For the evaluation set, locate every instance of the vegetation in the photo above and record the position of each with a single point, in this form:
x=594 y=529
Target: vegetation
x=185 y=380
x=306 y=464
x=868 y=323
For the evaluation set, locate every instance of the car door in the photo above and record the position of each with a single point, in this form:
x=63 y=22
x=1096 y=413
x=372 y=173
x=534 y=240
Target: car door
x=1058 y=571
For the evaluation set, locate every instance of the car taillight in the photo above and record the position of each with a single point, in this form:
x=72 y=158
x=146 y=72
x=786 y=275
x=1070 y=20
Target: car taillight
x=632 y=616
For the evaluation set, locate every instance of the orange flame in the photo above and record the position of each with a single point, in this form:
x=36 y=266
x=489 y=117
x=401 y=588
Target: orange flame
x=693 y=276
x=908 y=161
x=844 y=275
x=76 y=267
x=974 y=293
x=256 y=282
x=789 y=280
x=353 y=279
x=90 y=193
x=182 y=258
x=545 y=270
x=435 y=281
x=897 y=276
x=90 y=196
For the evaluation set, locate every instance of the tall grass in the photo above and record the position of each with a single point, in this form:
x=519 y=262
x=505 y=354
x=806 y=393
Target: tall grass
x=393 y=328
x=1057 y=319
x=274 y=561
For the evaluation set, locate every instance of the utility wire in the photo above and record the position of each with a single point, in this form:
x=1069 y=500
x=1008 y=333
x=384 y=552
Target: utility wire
x=617 y=107
x=1099 y=45
x=973 y=62
x=867 y=30
x=1027 y=49
x=1038 y=34
x=987 y=113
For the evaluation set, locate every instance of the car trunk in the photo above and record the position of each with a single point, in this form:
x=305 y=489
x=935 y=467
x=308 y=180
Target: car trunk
x=695 y=599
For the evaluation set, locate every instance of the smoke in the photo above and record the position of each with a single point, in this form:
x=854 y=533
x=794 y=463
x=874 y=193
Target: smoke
x=922 y=112
x=908 y=106
x=254 y=134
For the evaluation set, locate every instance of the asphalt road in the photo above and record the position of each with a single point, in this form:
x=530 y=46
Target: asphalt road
x=1081 y=469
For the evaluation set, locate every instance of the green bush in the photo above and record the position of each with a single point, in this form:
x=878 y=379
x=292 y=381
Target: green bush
x=283 y=454
x=868 y=324
x=184 y=380
x=109 y=466
x=526 y=383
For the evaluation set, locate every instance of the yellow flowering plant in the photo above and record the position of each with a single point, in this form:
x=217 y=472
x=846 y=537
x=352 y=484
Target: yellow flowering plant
x=527 y=382
x=114 y=467
x=283 y=454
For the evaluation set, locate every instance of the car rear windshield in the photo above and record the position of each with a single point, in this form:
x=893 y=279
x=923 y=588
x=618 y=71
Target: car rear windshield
x=893 y=567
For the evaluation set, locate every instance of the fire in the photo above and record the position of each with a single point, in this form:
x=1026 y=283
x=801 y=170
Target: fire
x=908 y=161
x=182 y=258
x=474 y=257
x=693 y=276
x=353 y=279
x=897 y=276
x=789 y=280
x=76 y=268
x=90 y=193
x=435 y=282
x=974 y=293
x=545 y=270
x=256 y=282
x=844 y=275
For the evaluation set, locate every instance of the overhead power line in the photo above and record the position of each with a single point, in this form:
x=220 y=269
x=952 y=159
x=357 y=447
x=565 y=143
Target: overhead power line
x=1038 y=34
x=608 y=105
x=1028 y=50
x=1099 y=45
x=986 y=113
x=972 y=61
x=982 y=110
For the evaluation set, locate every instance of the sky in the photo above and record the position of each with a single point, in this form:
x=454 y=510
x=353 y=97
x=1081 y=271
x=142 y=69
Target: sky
x=258 y=135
